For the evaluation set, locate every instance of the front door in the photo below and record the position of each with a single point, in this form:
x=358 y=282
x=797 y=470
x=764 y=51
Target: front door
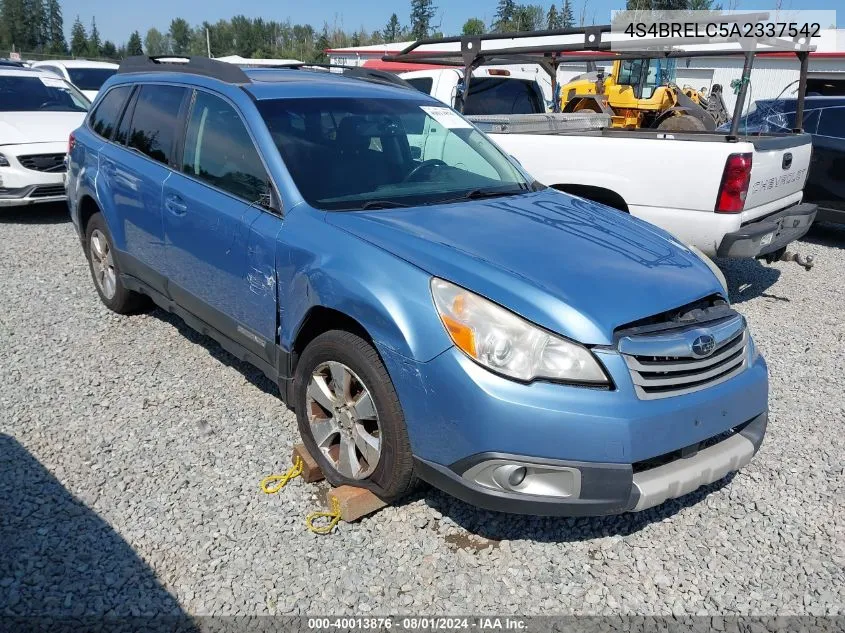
x=220 y=234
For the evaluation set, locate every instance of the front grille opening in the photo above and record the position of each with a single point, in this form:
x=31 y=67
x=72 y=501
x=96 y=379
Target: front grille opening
x=54 y=163
x=670 y=390
x=688 y=451
x=46 y=191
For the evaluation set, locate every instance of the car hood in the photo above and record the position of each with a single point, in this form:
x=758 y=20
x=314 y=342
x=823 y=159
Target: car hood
x=573 y=266
x=19 y=128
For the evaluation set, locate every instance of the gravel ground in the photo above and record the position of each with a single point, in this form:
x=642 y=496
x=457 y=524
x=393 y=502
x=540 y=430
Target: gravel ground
x=131 y=451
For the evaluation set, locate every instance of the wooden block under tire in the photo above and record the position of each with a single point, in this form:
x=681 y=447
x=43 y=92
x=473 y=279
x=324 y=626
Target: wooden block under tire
x=310 y=469
x=354 y=503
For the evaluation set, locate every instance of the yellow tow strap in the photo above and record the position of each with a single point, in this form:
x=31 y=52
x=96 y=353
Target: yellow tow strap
x=281 y=481
x=333 y=517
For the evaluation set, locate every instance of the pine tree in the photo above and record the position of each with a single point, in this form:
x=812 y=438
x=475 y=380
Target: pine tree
x=56 y=28
x=421 y=13
x=78 y=39
x=553 y=18
x=356 y=39
x=393 y=30
x=95 y=45
x=322 y=45
x=133 y=46
x=505 y=13
x=567 y=18
x=109 y=49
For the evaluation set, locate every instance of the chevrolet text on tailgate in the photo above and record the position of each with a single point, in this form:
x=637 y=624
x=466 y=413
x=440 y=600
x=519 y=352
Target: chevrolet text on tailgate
x=726 y=193
x=446 y=317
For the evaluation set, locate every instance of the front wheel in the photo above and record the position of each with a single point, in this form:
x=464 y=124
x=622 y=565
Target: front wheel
x=350 y=418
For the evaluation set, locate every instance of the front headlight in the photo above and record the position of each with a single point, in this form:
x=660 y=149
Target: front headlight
x=508 y=344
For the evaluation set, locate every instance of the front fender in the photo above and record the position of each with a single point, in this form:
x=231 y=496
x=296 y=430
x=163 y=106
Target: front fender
x=328 y=267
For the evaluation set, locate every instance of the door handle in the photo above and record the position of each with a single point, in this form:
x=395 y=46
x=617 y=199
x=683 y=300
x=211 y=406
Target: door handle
x=175 y=205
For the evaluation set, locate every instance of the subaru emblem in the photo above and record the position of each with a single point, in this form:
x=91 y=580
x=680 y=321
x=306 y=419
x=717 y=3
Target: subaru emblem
x=703 y=346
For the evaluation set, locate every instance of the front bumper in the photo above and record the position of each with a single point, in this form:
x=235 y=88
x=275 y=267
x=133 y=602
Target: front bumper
x=769 y=234
x=33 y=194
x=570 y=488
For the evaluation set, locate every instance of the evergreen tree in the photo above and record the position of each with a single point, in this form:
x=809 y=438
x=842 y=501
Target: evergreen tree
x=505 y=13
x=154 y=43
x=78 y=39
x=322 y=45
x=133 y=46
x=15 y=25
x=393 y=31
x=553 y=18
x=421 y=13
x=56 y=28
x=567 y=17
x=473 y=26
x=180 y=36
x=95 y=45
x=36 y=26
x=109 y=49
x=356 y=39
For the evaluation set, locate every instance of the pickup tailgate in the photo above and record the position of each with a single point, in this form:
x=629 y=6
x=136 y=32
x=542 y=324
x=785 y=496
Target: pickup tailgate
x=778 y=172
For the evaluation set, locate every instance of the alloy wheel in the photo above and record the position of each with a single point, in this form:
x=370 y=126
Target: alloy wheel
x=102 y=264
x=344 y=421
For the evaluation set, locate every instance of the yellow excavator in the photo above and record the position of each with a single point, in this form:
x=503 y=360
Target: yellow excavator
x=641 y=93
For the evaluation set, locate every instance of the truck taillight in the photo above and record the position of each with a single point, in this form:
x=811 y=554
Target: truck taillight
x=71 y=141
x=735 y=181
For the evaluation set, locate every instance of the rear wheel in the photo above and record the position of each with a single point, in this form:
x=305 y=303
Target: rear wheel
x=350 y=418
x=105 y=270
x=682 y=123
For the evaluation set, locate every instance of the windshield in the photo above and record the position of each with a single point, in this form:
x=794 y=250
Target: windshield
x=90 y=78
x=369 y=153
x=772 y=116
x=25 y=93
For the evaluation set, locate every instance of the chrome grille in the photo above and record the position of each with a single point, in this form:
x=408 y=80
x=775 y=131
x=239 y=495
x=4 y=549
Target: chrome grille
x=47 y=191
x=54 y=163
x=664 y=365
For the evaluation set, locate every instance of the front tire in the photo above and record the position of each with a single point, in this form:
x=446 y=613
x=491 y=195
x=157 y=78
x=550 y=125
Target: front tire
x=350 y=418
x=105 y=270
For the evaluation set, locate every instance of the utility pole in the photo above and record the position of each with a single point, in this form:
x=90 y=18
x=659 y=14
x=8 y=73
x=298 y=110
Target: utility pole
x=208 y=42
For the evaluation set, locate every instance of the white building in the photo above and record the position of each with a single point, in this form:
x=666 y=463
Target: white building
x=772 y=73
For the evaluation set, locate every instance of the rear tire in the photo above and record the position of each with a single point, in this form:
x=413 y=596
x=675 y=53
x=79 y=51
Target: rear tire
x=682 y=123
x=105 y=269
x=346 y=400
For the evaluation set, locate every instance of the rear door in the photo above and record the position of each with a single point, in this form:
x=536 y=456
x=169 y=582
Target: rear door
x=220 y=232
x=136 y=172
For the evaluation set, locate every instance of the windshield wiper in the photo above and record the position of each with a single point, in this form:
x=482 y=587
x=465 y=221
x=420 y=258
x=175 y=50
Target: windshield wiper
x=478 y=194
x=380 y=204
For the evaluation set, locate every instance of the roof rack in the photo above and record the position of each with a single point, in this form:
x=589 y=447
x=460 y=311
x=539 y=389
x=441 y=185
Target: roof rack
x=355 y=72
x=204 y=66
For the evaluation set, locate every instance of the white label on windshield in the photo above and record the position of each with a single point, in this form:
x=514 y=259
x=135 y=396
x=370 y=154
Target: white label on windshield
x=53 y=82
x=445 y=117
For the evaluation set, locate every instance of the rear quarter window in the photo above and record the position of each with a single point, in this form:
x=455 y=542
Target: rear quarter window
x=105 y=117
x=423 y=84
x=496 y=95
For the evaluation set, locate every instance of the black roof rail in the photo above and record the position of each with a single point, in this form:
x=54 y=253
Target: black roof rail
x=355 y=72
x=205 y=66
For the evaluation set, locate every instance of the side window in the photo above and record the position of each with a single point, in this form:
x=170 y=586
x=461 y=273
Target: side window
x=832 y=123
x=502 y=96
x=219 y=150
x=122 y=134
x=423 y=84
x=105 y=118
x=154 y=122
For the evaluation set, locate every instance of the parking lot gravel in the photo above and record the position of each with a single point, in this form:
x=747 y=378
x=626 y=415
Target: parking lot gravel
x=131 y=450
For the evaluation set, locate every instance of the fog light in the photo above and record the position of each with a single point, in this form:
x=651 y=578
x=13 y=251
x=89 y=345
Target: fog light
x=517 y=476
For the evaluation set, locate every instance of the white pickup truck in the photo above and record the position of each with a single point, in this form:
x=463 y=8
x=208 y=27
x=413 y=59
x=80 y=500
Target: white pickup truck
x=729 y=198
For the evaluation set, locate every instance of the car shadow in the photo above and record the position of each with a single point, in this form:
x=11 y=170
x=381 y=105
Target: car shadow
x=61 y=564
x=255 y=376
x=826 y=234
x=748 y=279
x=47 y=213
x=498 y=526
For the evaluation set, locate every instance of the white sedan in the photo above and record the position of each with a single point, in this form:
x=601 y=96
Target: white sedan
x=38 y=111
x=86 y=75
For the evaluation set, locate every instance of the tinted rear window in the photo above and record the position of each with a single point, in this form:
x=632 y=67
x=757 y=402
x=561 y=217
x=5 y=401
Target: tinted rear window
x=90 y=78
x=423 y=84
x=496 y=95
x=25 y=93
x=154 y=121
x=104 y=119
x=832 y=123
